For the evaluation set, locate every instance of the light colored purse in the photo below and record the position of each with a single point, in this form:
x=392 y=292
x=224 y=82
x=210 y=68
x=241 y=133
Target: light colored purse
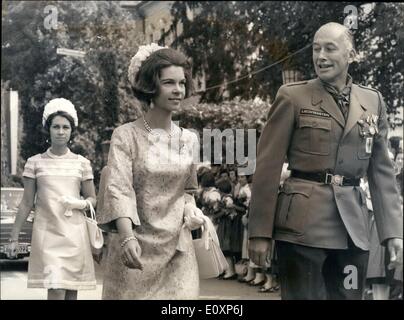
x=94 y=232
x=211 y=260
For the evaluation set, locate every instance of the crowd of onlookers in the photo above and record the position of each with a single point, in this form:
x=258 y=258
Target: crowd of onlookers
x=224 y=197
x=383 y=283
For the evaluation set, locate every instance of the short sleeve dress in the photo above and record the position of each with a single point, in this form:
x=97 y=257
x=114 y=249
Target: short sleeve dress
x=60 y=249
x=148 y=175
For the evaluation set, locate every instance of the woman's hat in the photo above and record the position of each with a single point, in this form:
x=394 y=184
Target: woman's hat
x=59 y=104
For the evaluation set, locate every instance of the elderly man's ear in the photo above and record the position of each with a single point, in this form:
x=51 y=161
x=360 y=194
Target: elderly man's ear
x=352 y=56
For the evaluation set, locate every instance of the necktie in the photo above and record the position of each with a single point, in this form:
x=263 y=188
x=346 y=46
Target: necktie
x=341 y=98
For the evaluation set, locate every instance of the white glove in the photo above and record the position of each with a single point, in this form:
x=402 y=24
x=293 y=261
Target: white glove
x=193 y=217
x=70 y=203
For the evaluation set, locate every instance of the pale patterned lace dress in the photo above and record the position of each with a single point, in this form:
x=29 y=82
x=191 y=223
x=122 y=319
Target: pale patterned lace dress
x=146 y=179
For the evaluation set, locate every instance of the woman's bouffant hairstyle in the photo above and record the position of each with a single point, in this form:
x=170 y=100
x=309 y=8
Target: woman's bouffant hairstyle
x=224 y=185
x=49 y=120
x=207 y=180
x=145 y=86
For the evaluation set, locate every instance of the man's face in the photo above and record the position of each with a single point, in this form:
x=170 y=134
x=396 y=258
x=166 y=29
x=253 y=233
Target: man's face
x=331 y=56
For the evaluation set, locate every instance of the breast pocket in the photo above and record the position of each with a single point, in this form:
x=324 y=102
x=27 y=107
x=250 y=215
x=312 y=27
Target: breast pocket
x=314 y=135
x=292 y=208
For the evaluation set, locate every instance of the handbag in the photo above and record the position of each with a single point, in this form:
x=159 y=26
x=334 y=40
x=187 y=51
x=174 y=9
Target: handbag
x=94 y=232
x=210 y=258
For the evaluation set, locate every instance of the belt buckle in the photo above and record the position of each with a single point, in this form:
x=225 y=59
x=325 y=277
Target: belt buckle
x=336 y=179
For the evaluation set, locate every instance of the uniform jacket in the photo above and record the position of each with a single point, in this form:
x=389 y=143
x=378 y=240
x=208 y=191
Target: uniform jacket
x=306 y=125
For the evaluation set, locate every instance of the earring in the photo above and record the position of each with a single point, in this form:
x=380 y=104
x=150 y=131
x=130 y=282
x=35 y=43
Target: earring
x=47 y=141
x=151 y=105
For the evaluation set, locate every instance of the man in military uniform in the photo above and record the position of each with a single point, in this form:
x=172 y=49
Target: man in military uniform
x=333 y=133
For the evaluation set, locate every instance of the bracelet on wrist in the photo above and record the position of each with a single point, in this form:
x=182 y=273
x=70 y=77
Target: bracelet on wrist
x=127 y=239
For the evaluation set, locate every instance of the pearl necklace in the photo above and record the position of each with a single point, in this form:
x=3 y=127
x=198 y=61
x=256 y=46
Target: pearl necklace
x=147 y=126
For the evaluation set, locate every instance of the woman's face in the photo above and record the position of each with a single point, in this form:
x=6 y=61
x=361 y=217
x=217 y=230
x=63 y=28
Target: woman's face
x=60 y=131
x=233 y=176
x=242 y=180
x=172 y=88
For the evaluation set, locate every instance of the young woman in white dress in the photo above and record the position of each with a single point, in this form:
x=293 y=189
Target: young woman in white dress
x=54 y=182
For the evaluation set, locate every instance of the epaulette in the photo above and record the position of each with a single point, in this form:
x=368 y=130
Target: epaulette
x=363 y=87
x=297 y=83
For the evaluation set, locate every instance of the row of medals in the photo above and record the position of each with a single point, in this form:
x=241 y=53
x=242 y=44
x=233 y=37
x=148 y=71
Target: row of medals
x=368 y=126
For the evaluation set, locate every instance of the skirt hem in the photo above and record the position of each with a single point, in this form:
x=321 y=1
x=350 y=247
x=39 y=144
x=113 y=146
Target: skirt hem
x=88 y=285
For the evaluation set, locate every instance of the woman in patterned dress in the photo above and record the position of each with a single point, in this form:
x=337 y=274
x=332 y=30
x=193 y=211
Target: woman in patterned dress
x=147 y=203
x=60 y=258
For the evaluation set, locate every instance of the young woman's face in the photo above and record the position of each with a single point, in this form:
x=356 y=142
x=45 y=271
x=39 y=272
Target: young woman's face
x=242 y=180
x=60 y=131
x=232 y=176
x=172 y=88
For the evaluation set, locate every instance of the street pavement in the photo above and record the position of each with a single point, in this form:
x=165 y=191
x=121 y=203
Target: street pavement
x=14 y=287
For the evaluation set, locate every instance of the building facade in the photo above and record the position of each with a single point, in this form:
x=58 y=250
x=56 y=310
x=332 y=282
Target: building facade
x=154 y=20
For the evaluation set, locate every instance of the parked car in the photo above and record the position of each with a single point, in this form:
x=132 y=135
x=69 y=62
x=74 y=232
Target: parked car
x=10 y=199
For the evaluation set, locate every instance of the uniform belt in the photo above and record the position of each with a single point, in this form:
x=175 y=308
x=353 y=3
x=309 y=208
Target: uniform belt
x=326 y=178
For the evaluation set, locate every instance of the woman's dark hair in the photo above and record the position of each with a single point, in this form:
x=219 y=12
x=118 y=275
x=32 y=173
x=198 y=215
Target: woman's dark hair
x=207 y=180
x=224 y=170
x=148 y=78
x=224 y=185
x=64 y=114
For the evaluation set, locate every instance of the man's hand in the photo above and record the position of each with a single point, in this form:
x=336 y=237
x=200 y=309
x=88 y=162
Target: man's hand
x=259 y=249
x=395 y=247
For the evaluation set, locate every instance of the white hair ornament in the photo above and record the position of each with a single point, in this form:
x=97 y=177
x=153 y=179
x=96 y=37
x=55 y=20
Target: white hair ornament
x=59 y=104
x=142 y=54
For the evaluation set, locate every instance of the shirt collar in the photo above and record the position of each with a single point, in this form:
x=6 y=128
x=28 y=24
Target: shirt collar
x=345 y=91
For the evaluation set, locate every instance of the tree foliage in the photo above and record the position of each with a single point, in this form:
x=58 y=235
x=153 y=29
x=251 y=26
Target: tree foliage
x=230 y=114
x=381 y=48
x=224 y=116
x=96 y=84
x=234 y=38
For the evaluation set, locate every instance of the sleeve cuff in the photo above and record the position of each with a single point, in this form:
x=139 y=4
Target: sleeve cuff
x=112 y=209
